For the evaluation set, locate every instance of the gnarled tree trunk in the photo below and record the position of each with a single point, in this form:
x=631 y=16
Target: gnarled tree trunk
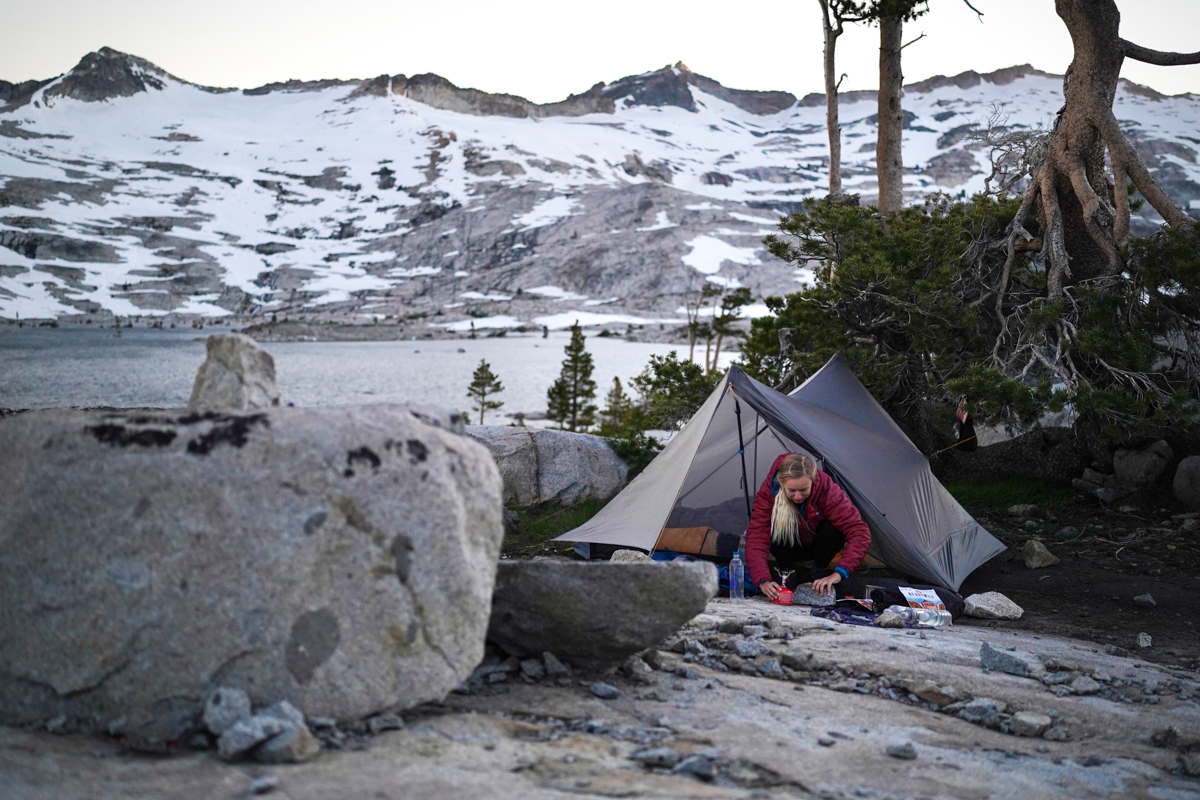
x=1082 y=229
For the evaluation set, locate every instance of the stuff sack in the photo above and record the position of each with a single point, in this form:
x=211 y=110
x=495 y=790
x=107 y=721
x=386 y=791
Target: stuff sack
x=886 y=592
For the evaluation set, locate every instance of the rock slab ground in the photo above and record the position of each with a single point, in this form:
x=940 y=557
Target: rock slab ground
x=703 y=732
x=595 y=613
x=342 y=559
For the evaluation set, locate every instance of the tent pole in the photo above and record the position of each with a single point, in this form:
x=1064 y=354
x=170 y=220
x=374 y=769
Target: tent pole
x=737 y=409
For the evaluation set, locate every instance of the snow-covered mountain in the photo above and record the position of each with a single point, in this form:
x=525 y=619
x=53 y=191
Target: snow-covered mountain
x=127 y=191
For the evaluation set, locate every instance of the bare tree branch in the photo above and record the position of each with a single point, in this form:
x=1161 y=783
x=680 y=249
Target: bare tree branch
x=1162 y=59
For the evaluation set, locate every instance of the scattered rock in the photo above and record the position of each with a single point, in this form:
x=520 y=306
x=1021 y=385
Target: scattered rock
x=637 y=669
x=904 y=751
x=771 y=668
x=656 y=757
x=653 y=658
x=264 y=784
x=930 y=692
x=554 y=667
x=890 y=619
x=1014 y=662
x=237 y=375
x=1057 y=678
x=605 y=691
x=1028 y=723
x=247 y=733
x=223 y=708
x=1189 y=764
x=992 y=605
x=1114 y=650
x=1031 y=525
x=1144 y=640
x=747 y=649
x=1024 y=510
x=825 y=741
x=384 y=722
x=1085 y=685
x=1056 y=734
x=1037 y=556
x=533 y=668
x=293 y=746
x=981 y=711
x=539 y=605
x=629 y=556
x=1189 y=524
x=1186 y=484
x=1141 y=468
x=1144 y=601
x=1067 y=534
x=698 y=765
x=159 y=530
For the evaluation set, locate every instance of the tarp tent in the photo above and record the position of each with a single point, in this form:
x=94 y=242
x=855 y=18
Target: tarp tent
x=917 y=527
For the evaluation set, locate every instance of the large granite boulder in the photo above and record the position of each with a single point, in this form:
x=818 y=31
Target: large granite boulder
x=341 y=559
x=237 y=375
x=1186 y=484
x=539 y=466
x=595 y=613
x=1142 y=467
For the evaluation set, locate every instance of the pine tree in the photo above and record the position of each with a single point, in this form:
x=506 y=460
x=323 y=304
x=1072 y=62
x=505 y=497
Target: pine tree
x=569 y=397
x=617 y=408
x=484 y=383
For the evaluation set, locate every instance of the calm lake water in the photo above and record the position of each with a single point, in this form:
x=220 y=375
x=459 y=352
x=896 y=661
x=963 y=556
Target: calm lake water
x=73 y=366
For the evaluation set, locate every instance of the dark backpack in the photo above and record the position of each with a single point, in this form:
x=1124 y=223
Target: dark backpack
x=886 y=592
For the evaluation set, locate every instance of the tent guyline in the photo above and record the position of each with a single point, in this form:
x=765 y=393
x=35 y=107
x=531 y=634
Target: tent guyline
x=737 y=408
x=697 y=490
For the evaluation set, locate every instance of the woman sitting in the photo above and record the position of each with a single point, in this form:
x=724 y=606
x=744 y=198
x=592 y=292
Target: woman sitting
x=800 y=514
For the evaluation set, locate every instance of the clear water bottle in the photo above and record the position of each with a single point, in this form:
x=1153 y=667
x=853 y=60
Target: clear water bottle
x=737 y=571
x=923 y=617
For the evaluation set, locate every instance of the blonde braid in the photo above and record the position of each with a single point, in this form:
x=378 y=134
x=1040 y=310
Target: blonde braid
x=785 y=520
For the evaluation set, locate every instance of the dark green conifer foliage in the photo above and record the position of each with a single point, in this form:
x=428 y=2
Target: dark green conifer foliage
x=484 y=384
x=571 y=395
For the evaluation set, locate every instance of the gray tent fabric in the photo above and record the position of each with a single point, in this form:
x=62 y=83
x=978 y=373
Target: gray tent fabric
x=917 y=527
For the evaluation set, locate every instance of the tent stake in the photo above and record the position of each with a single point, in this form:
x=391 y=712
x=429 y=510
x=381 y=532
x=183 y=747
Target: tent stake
x=737 y=409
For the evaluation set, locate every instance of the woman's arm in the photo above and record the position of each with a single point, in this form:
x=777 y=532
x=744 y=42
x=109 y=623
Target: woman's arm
x=837 y=507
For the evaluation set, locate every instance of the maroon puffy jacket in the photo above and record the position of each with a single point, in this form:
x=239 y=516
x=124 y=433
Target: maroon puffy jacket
x=826 y=501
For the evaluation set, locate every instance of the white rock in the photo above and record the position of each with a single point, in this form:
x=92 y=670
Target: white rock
x=1142 y=467
x=992 y=605
x=351 y=550
x=539 y=466
x=1186 y=484
x=1037 y=556
x=1144 y=640
x=238 y=375
x=629 y=556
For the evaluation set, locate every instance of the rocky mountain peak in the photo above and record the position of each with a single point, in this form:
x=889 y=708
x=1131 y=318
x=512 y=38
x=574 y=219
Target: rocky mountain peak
x=109 y=73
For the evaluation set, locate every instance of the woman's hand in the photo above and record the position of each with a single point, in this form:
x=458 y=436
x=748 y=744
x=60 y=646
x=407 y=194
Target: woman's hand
x=771 y=588
x=825 y=585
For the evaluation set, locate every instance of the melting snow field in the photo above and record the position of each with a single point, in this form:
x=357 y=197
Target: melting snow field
x=91 y=367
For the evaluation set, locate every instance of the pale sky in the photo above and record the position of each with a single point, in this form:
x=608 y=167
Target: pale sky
x=546 y=50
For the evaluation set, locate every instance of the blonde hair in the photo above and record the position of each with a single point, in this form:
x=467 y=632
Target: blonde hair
x=785 y=521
